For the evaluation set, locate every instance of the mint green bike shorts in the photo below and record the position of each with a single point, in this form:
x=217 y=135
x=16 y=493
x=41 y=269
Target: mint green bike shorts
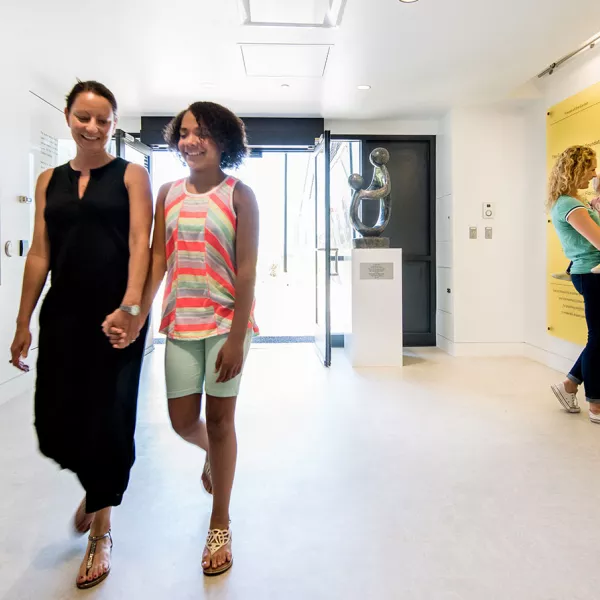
x=190 y=367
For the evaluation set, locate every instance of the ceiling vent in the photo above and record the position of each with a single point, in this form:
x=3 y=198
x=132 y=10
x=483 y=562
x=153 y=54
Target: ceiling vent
x=323 y=14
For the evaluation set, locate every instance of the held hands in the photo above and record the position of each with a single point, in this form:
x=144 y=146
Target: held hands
x=20 y=348
x=230 y=361
x=122 y=329
x=595 y=204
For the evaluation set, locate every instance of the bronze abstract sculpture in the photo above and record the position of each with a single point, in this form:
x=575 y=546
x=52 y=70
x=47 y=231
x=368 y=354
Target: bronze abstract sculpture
x=380 y=189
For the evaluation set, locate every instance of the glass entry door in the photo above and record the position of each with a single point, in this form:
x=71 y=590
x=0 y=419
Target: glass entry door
x=322 y=185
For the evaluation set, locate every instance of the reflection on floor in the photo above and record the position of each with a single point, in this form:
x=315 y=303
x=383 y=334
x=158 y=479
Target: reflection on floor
x=453 y=479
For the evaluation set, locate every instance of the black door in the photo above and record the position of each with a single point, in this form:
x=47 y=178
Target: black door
x=412 y=228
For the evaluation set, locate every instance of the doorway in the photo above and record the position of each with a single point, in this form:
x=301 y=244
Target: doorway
x=306 y=235
x=285 y=299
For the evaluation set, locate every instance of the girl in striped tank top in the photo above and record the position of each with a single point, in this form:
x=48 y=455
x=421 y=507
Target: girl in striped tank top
x=206 y=240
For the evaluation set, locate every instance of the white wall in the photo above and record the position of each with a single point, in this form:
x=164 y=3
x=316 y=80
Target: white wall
x=498 y=300
x=24 y=117
x=130 y=124
x=481 y=159
x=565 y=82
x=488 y=166
x=14 y=217
x=445 y=237
x=383 y=127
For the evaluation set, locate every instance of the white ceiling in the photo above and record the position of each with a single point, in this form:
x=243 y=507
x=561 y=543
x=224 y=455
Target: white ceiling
x=288 y=61
x=420 y=59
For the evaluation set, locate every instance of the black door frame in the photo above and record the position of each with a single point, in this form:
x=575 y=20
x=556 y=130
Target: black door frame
x=431 y=258
x=122 y=139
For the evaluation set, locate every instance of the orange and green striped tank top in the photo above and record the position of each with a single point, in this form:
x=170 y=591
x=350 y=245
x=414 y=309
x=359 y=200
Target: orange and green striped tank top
x=199 y=300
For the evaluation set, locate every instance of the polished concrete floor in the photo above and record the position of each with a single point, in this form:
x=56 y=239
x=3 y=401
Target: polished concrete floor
x=455 y=479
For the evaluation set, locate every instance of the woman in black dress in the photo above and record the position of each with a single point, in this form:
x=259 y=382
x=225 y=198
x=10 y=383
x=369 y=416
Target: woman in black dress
x=92 y=227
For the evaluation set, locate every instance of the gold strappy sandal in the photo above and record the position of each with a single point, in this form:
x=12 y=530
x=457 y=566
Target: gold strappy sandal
x=86 y=585
x=207 y=476
x=217 y=539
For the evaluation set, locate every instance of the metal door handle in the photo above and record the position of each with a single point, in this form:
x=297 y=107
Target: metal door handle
x=336 y=252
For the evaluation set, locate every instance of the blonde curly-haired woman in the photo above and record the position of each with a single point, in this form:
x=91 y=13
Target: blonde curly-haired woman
x=578 y=227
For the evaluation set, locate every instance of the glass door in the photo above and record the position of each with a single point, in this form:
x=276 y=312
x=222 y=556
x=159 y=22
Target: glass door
x=345 y=160
x=125 y=146
x=322 y=184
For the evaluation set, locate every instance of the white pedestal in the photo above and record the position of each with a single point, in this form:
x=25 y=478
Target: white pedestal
x=376 y=338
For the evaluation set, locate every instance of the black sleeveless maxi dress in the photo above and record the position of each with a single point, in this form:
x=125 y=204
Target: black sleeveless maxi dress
x=86 y=391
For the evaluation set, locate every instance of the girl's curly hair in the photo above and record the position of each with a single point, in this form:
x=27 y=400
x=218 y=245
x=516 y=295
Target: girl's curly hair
x=222 y=126
x=568 y=171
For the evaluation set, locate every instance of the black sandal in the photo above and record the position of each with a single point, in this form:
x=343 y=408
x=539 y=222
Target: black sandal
x=86 y=585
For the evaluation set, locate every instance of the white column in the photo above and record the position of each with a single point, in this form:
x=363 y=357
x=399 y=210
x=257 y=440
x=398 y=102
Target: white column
x=376 y=338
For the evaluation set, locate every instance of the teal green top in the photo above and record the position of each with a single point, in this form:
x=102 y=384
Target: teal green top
x=584 y=254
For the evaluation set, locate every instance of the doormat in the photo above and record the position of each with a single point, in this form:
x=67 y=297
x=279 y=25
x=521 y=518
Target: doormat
x=284 y=339
x=264 y=339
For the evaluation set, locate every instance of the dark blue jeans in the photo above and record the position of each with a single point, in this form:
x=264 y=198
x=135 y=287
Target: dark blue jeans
x=587 y=368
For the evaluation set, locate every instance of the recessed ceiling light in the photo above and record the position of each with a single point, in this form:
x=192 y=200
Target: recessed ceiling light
x=285 y=86
x=364 y=87
x=208 y=85
x=408 y=1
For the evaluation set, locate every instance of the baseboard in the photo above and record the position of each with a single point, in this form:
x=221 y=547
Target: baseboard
x=445 y=344
x=557 y=362
x=491 y=350
x=459 y=349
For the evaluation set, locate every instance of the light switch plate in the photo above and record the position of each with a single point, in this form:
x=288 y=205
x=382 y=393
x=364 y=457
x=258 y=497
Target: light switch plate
x=488 y=210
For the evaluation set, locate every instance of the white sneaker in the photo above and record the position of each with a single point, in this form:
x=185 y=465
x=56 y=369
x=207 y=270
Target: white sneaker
x=568 y=401
x=594 y=418
x=563 y=276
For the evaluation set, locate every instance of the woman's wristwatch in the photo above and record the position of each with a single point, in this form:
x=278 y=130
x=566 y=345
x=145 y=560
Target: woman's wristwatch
x=133 y=309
